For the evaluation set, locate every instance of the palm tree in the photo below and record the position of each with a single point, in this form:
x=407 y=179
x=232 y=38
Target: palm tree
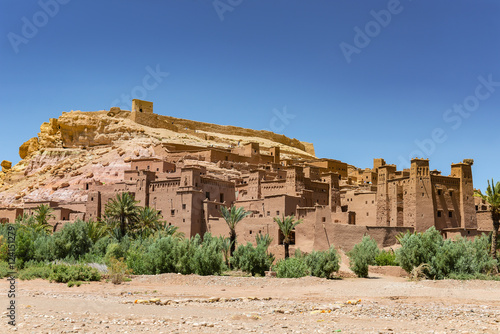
x=149 y=220
x=97 y=230
x=493 y=198
x=232 y=217
x=123 y=209
x=287 y=225
x=43 y=213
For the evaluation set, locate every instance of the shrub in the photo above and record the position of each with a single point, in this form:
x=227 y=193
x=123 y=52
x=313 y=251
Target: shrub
x=35 y=270
x=208 y=258
x=62 y=273
x=25 y=244
x=117 y=250
x=72 y=241
x=44 y=248
x=323 y=264
x=4 y=269
x=100 y=247
x=252 y=260
x=171 y=254
x=386 y=258
x=445 y=258
x=118 y=270
x=418 y=248
x=159 y=257
x=4 y=249
x=363 y=255
x=293 y=267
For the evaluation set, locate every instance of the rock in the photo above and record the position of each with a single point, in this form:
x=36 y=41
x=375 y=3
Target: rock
x=64 y=185
x=28 y=147
x=270 y=274
x=128 y=159
x=6 y=166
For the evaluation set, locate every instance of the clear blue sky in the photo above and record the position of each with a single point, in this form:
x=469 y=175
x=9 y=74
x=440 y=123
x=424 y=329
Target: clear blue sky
x=240 y=62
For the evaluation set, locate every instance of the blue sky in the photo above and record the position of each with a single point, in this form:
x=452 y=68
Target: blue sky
x=359 y=79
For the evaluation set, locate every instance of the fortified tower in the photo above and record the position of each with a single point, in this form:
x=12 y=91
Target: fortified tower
x=463 y=171
x=419 y=203
x=385 y=173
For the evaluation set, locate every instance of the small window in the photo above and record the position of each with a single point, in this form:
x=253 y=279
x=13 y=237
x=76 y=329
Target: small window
x=450 y=214
x=207 y=195
x=250 y=231
x=268 y=213
x=439 y=192
x=277 y=213
x=451 y=193
x=183 y=206
x=477 y=207
x=367 y=214
x=172 y=212
x=439 y=213
x=323 y=219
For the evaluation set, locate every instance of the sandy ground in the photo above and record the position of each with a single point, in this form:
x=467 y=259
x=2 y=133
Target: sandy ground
x=195 y=304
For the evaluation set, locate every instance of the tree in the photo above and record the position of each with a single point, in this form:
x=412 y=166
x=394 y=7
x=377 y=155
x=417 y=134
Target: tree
x=287 y=225
x=149 y=220
x=43 y=213
x=493 y=198
x=124 y=210
x=232 y=217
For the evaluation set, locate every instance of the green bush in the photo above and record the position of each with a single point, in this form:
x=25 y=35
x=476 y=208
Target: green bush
x=323 y=264
x=385 y=258
x=252 y=260
x=62 y=273
x=418 y=248
x=100 y=247
x=25 y=244
x=293 y=267
x=33 y=270
x=72 y=241
x=113 y=251
x=170 y=254
x=44 y=249
x=445 y=258
x=363 y=255
x=208 y=258
x=4 y=269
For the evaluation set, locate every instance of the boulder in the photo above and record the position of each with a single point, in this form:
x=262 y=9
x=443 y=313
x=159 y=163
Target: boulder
x=28 y=147
x=6 y=165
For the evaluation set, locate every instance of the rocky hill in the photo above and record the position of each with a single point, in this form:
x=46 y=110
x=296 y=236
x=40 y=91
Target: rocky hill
x=79 y=147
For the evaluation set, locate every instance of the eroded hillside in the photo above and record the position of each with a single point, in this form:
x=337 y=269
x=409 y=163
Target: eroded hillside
x=81 y=147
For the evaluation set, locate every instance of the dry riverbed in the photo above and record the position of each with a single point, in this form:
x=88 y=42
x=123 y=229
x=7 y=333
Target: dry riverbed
x=173 y=303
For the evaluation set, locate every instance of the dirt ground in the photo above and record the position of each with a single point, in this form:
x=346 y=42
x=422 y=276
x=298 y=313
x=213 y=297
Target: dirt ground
x=223 y=304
